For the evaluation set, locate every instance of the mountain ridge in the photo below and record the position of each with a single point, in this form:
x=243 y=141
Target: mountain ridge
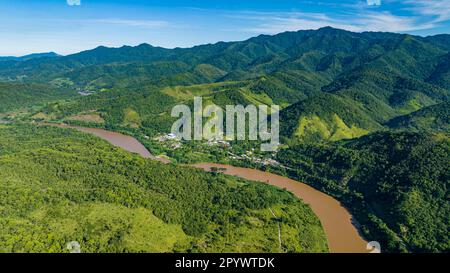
x=379 y=75
x=353 y=106
x=29 y=56
x=146 y=52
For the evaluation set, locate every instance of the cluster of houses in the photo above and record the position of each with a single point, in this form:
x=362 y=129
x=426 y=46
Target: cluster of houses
x=221 y=143
x=165 y=137
x=174 y=143
x=258 y=160
x=86 y=93
x=172 y=138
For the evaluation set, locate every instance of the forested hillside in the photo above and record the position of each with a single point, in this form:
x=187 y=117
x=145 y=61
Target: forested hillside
x=59 y=186
x=395 y=183
x=375 y=77
x=435 y=118
x=14 y=96
x=365 y=117
x=326 y=117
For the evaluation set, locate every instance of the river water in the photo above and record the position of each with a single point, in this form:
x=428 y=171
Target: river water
x=342 y=235
x=341 y=232
x=125 y=142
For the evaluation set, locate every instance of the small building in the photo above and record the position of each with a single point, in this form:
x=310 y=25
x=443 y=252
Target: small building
x=224 y=143
x=171 y=136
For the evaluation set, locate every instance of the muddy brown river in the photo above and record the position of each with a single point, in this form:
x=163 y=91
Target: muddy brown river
x=125 y=142
x=342 y=234
x=341 y=231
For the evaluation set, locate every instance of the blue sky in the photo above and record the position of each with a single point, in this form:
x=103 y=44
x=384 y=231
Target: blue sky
x=69 y=26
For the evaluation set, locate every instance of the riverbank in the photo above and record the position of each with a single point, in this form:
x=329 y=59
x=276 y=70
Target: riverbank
x=342 y=234
x=339 y=226
x=125 y=142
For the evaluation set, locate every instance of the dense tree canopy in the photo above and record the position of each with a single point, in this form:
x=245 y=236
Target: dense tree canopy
x=364 y=117
x=58 y=186
x=396 y=183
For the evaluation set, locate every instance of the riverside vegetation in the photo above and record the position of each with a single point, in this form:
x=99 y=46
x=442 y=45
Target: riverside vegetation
x=364 y=115
x=59 y=185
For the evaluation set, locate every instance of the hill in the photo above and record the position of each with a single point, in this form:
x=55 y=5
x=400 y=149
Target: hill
x=364 y=117
x=60 y=186
x=327 y=51
x=441 y=74
x=379 y=76
x=395 y=183
x=29 y=57
x=435 y=117
x=14 y=96
x=326 y=117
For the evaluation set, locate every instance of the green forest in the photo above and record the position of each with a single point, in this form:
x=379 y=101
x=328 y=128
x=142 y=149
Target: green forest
x=396 y=183
x=59 y=186
x=364 y=118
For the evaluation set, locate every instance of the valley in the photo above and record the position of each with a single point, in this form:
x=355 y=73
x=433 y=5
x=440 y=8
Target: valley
x=339 y=225
x=364 y=124
x=74 y=186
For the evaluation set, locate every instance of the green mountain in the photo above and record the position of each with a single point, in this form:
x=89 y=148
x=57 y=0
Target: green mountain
x=352 y=104
x=441 y=40
x=60 y=186
x=29 y=57
x=441 y=74
x=327 y=51
x=14 y=96
x=435 y=117
x=396 y=184
x=379 y=76
x=326 y=117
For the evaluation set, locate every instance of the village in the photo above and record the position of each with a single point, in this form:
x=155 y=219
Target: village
x=170 y=141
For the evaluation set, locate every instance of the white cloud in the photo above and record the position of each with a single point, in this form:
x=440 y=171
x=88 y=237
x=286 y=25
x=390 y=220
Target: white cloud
x=271 y=23
x=132 y=23
x=385 y=21
x=147 y=24
x=74 y=2
x=416 y=15
x=438 y=9
x=374 y=2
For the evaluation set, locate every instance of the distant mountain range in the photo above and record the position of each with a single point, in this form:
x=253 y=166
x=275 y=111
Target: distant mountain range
x=332 y=84
x=365 y=116
x=29 y=57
